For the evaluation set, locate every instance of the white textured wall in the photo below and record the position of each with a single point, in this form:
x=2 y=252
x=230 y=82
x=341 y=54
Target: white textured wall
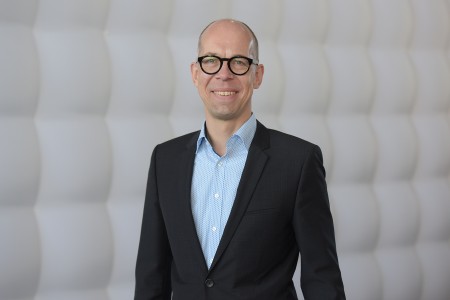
x=88 y=87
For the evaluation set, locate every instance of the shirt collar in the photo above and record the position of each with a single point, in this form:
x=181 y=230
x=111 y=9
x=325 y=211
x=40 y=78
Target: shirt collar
x=246 y=132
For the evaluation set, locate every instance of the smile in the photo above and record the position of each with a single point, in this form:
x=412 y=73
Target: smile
x=224 y=93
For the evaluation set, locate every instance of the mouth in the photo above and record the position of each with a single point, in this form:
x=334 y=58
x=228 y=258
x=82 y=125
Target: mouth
x=224 y=93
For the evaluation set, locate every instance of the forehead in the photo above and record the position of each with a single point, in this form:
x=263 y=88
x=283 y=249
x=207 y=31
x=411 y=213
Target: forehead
x=226 y=36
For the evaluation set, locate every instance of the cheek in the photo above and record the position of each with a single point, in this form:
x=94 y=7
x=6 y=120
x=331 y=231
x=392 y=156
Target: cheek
x=199 y=82
x=202 y=87
x=198 y=77
x=249 y=85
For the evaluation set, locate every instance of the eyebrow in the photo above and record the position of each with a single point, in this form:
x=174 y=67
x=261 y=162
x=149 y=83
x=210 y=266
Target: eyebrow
x=210 y=53
x=215 y=54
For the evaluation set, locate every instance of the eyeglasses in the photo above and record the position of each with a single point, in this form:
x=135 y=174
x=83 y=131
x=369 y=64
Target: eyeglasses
x=238 y=65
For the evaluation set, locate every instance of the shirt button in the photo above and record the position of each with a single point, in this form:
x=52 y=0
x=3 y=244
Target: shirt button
x=216 y=195
x=214 y=228
x=209 y=283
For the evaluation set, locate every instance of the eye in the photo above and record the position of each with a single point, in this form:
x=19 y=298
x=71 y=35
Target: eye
x=240 y=62
x=210 y=60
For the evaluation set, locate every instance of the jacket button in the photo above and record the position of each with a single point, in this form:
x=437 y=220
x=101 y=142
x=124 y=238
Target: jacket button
x=209 y=283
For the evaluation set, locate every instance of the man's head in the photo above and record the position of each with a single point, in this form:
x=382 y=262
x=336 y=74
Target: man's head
x=254 y=45
x=226 y=86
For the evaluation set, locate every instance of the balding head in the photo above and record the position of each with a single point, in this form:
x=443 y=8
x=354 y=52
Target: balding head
x=238 y=25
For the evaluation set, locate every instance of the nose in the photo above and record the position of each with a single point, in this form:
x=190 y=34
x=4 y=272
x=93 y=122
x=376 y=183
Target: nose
x=224 y=72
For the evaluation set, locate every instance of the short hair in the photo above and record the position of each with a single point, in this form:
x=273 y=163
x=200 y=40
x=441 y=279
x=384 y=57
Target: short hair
x=254 y=41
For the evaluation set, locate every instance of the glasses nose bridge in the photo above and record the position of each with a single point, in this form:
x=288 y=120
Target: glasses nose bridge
x=228 y=68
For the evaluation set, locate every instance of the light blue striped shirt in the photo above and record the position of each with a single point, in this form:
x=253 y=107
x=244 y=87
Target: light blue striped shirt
x=214 y=185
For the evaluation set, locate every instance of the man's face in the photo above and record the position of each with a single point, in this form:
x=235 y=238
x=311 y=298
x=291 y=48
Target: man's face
x=226 y=96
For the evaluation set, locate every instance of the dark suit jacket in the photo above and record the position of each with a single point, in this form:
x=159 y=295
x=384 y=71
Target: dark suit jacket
x=281 y=208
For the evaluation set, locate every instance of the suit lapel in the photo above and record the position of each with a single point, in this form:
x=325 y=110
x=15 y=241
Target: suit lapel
x=187 y=161
x=253 y=169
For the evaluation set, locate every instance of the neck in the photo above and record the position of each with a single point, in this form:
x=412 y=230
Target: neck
x=220 y=131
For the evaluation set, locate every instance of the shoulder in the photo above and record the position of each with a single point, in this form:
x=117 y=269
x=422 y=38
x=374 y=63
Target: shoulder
x=290 y=152
x=285 y=138
x=182 y=140
x=286 y=143
x=290 y=145
x=178 y=144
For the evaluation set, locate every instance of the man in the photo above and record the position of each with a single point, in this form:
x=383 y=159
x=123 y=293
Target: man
x=229 y=208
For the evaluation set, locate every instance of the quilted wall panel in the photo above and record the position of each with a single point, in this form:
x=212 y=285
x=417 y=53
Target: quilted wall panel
x=88 y=88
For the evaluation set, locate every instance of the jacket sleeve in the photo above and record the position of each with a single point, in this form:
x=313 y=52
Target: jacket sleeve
x=154 y=257
x=314 y=230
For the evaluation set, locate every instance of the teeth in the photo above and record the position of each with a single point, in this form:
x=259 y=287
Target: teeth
x=225 y=93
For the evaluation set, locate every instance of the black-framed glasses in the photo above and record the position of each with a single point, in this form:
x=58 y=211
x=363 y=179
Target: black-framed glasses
x=238 y=65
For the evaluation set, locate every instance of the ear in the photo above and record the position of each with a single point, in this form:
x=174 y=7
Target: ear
x=259 y=74
x=194 y=73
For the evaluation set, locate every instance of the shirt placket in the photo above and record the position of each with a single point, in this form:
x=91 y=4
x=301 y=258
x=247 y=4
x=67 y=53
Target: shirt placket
x=216 y=210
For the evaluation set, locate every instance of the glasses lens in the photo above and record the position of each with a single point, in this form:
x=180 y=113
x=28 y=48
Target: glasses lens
x=239 y=65
x=210 y=64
